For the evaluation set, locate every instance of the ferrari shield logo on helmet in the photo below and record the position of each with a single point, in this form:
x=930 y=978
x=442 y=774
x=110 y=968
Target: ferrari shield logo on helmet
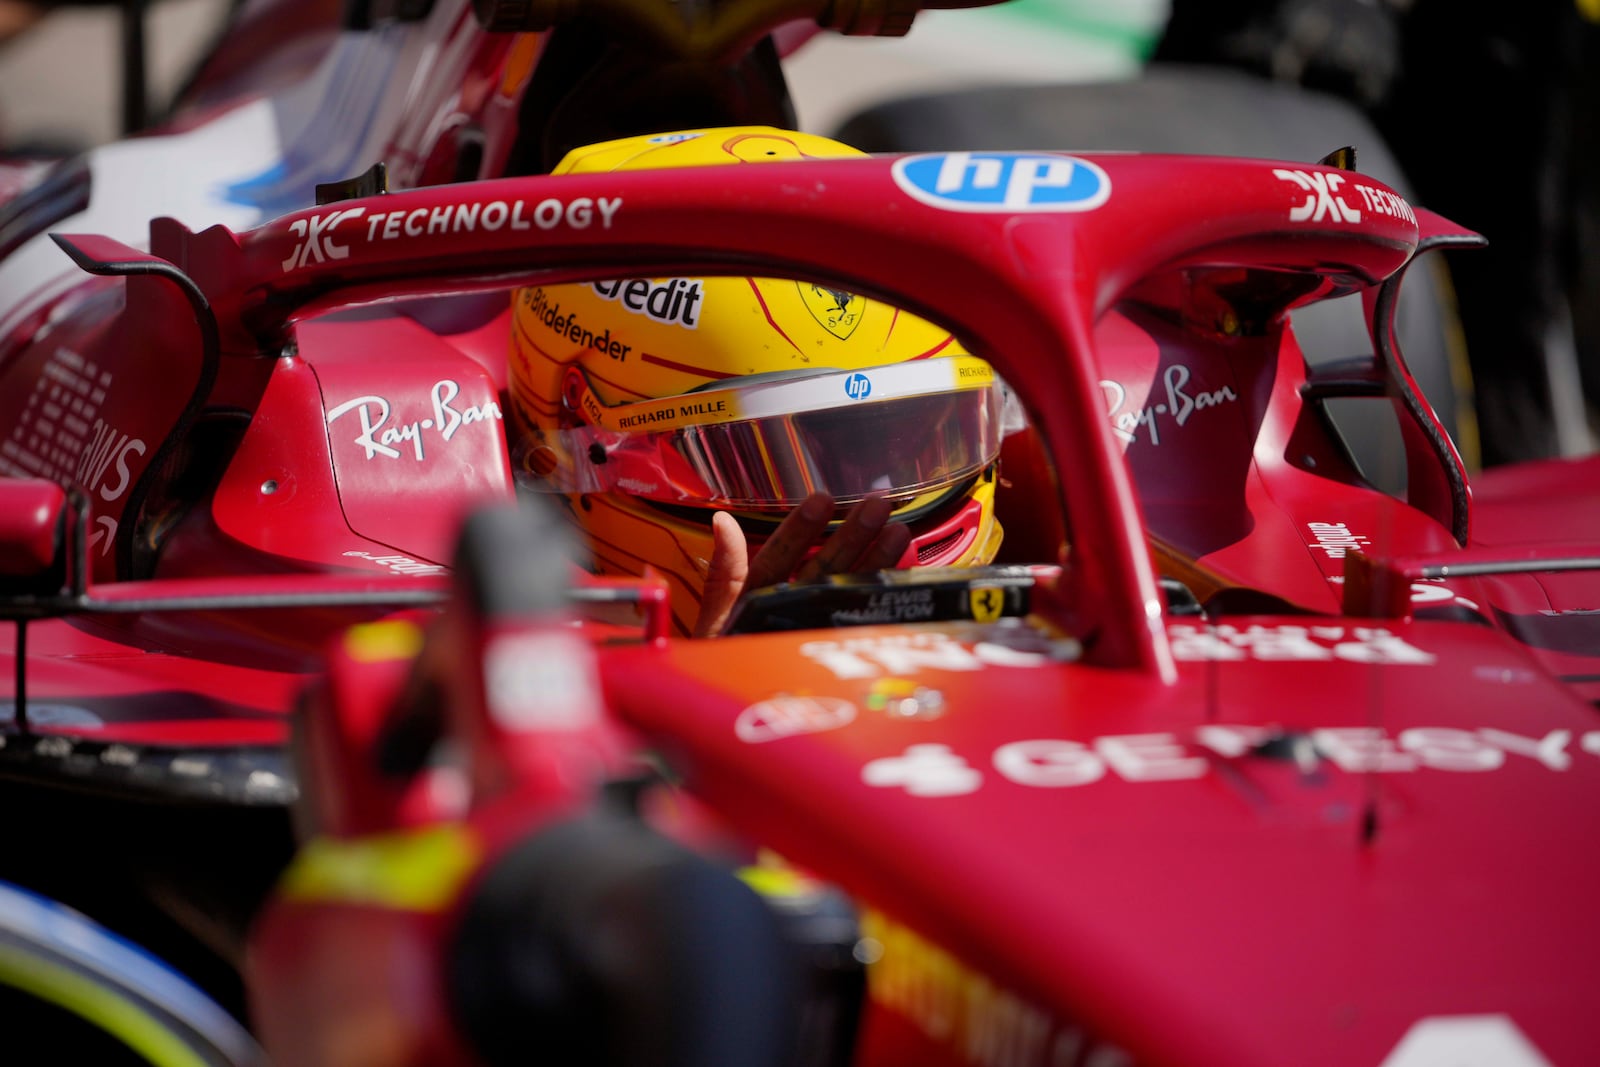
x=839 y=312
x=988 y=602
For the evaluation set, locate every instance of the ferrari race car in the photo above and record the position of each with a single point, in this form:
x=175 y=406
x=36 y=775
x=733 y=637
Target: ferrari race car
x=1245 y=749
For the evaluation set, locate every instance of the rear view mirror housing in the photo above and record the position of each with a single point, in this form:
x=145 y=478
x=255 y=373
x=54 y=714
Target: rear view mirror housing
x=33 y=536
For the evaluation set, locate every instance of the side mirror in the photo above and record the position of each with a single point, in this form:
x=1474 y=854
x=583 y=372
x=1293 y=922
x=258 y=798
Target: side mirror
x=33 y=536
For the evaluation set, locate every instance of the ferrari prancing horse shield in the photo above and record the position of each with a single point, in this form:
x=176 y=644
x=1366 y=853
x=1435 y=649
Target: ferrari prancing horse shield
x=988 y=602
x=839 y=312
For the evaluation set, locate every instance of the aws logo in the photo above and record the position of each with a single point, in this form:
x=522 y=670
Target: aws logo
x=835 y=310
x=1003 y=181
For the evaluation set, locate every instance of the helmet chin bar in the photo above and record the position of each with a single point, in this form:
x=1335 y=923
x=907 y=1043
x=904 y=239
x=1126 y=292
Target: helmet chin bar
x=952 y=540
x=955 y=528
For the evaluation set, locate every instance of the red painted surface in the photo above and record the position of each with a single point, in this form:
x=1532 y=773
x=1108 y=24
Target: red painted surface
x=1120 y=847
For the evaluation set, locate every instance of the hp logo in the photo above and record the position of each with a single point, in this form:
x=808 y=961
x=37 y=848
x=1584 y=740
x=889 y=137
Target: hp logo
x=672 y=138
x=858 y=386
x=1003 y=181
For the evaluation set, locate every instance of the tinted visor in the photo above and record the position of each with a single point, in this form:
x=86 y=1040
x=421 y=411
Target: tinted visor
x=900 y=430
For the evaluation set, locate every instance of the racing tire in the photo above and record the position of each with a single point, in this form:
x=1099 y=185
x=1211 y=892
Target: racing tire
x=597 y=942
x=76 y=993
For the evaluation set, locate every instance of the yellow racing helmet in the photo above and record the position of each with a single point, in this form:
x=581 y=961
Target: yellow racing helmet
x=649 y=403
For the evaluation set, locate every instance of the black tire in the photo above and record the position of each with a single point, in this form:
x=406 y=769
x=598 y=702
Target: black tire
x=1212 y=111
x=76 y=993
x=598 y=942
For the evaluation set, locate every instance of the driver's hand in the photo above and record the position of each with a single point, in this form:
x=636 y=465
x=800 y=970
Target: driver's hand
x=866 y=541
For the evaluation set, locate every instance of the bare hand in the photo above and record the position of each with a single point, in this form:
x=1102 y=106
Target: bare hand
x=865 y=541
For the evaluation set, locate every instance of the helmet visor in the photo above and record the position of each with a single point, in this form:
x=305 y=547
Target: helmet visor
x=898 y=431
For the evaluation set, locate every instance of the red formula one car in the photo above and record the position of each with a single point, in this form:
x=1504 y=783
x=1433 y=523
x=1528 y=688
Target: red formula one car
x=1233 y=757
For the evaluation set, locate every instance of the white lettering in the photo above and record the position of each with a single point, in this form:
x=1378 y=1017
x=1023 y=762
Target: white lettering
x=953 y=172
x=466 y=218
x=548 y=214
x=1048 y=764
x=1433 y=591
x=1385 y=203
x=1030 y=174
x=1465 y=1041
x=997 y=655
x=1192 y=643
x=1550 y=750
x=1149 y=758
x=93 y=461
x=1361 y=748
x=843 y=664
x=1335 y=539
x=1380 y=646
x=107 y=447
x=1058 y=763
x=942 y=656
x=107 y=530
x=111 y=492
x=447 y=420
x=1358 y=644
x=1179 y=404
x=904 y=655
x=399 y=564
x=540 y=681
x=1230 y=742
x=377 y=438
x=924 y=771
x=1323 y=201
x=317 y=243
x=400 y=435
x=362 y=405
x=1450 y=750
x=785 y=715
